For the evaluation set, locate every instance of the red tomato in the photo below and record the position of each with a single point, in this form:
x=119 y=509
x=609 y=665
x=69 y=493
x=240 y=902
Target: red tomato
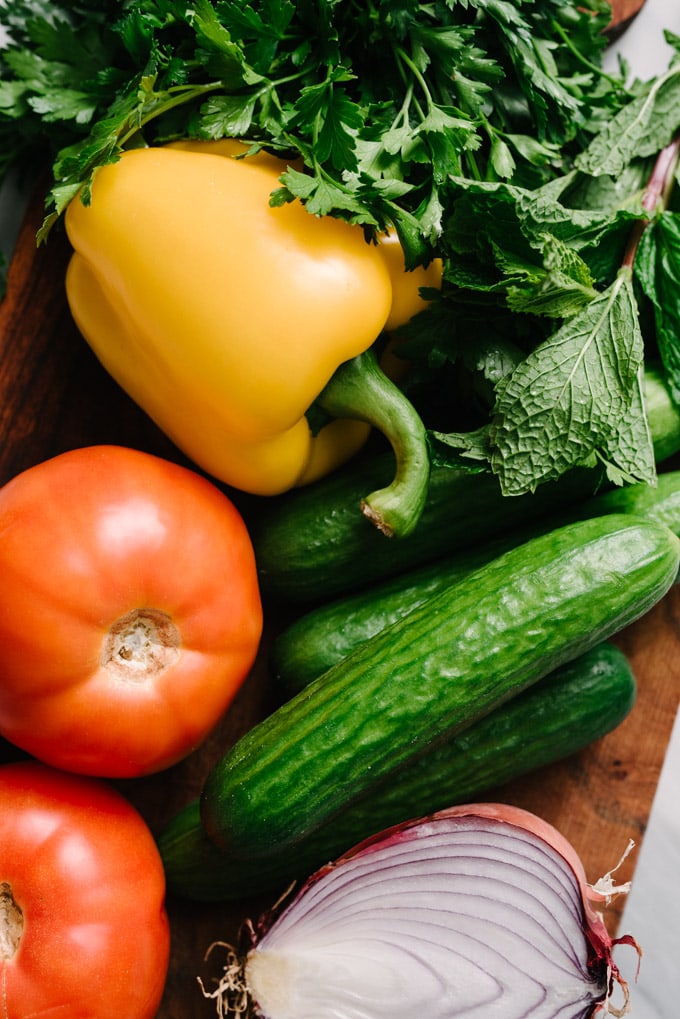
x=84 y=930
x=130 y=611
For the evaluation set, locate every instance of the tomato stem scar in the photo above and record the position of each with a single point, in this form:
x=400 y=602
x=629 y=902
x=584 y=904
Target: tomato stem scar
x=11 y=923
x=140 y=644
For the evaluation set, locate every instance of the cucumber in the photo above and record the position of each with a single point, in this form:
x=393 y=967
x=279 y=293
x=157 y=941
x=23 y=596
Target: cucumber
x=569 y=709
x=432 y=674
x=325 y=635
x=313 y=544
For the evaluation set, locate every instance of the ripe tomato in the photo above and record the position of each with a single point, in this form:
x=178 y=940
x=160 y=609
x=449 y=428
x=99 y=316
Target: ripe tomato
x=84 y=932
x=130 y=611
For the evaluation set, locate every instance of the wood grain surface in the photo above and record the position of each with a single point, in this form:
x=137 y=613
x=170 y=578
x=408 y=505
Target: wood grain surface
x=54 y=396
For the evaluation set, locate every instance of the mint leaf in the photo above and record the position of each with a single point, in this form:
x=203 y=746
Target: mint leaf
x=484 y=214
x=548 y=209
x=599 y=234
x=657 y=269
x=560 y=289
x=641 y=128
x=628 y=454
x=565 y=402
x=526 y=245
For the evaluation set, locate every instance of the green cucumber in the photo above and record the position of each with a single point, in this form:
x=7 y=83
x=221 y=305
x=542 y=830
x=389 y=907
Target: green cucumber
x=431 y=675
x=314 y=544
x=569 y=709
x=325 y=635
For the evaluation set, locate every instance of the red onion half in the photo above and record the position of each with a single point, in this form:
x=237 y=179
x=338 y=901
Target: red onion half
x=476 y=912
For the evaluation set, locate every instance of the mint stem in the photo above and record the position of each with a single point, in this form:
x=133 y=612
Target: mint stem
x=360 y=389
x=656 y=192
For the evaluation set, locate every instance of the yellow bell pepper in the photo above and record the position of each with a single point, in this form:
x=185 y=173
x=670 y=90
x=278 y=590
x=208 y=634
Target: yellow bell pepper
x=224 y=317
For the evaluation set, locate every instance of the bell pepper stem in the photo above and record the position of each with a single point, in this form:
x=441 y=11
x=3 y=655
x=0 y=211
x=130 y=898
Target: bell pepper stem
x=360 y=389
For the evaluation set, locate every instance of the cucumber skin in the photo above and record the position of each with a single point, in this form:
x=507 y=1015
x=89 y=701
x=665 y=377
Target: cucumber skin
x=571 y=708
x=314 y=544
x=427 y=677
x=325 y=635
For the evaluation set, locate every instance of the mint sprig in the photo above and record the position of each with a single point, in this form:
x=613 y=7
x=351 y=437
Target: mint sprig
x=574 y=398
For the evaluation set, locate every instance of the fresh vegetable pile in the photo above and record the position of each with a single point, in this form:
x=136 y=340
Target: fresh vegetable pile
x=572 y=707
x=487 y=136
x=439 y=242
x=153 y=310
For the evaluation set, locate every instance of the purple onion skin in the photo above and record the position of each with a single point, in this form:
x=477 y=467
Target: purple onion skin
x=512 y=930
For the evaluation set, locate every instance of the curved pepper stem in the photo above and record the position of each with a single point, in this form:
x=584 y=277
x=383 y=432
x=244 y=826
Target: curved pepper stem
x=360 y=389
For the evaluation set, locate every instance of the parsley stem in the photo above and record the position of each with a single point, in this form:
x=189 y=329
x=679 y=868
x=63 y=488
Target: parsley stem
x=402 y=114
x=178 y=96
x=599 y=71
x=404 y=57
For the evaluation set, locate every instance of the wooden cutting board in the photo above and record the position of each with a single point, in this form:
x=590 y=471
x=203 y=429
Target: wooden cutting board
x=624 y=11
x=54 y=396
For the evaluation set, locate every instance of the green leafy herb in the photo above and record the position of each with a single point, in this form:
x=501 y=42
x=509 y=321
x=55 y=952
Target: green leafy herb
x=559 y=257
x=382 y=101
x=486 y=132
x=657 y=269
x=641 y=128
x=567 y=399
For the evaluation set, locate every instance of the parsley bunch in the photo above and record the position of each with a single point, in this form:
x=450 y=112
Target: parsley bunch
x=382 y=100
